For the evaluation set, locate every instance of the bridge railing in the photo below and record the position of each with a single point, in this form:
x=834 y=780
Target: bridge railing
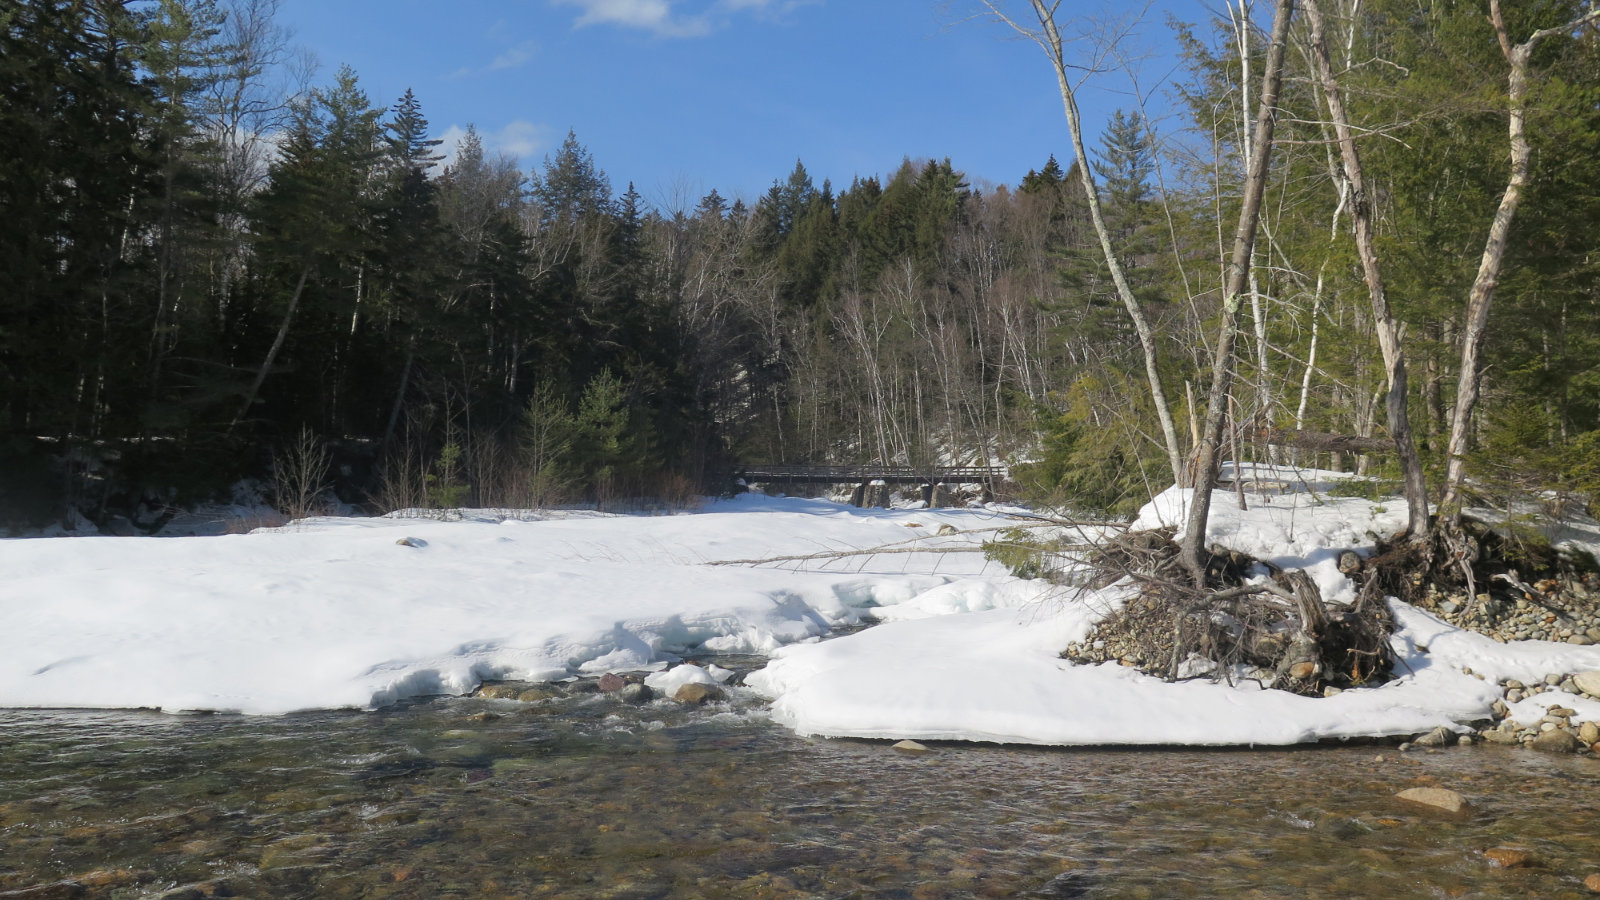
x=854 y=474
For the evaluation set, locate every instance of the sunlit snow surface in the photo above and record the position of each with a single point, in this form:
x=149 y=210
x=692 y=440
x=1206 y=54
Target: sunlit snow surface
x=995 y=675
x=364 y=612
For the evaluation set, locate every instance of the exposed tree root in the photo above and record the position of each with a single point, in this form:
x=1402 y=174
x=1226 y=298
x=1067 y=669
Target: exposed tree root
x=1278 y=631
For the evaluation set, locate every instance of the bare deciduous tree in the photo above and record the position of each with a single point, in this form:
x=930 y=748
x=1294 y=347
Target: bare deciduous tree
x=1494 y=250
x=1193 y=548
x=1360 y=201
x=1047 y=35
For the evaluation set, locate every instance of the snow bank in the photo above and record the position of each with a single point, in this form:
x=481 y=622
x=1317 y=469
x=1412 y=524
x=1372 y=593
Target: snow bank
x=991 y=672
x=364 y=612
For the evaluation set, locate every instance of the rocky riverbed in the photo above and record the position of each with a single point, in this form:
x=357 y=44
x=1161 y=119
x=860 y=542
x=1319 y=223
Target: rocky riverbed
x=575 y=792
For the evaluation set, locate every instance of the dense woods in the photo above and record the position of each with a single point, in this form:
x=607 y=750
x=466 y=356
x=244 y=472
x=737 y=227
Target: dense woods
x=202 y=263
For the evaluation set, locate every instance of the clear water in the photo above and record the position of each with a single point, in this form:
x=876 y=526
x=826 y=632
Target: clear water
x=582 y=796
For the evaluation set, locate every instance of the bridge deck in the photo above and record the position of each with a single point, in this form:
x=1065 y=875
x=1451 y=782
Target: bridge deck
x=776 y=474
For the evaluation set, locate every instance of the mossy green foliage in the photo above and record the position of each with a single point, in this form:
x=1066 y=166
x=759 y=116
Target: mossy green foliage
x=1096 y=454
x=1023 y=555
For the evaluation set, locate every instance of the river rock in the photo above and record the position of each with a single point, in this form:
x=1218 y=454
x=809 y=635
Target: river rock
x=636 y=693
x=499 y=691
x=697 y=693
x=1557 y=741
x=1589 y=732
x=1509 y=857
x=1439 y=798
x=1496 y=736
x=534 y=695
x=611 y=682
x=911 y=747
x=1439 y=737
x=1588 y=682
x=1593 y=883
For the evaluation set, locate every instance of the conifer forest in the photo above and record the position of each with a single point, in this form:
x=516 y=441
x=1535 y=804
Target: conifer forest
x=212 y=269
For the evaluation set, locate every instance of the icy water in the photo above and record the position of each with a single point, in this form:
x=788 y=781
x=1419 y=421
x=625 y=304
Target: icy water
x=581 y=796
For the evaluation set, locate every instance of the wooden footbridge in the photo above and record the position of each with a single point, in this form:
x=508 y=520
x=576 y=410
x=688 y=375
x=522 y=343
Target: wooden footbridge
x=867 y=477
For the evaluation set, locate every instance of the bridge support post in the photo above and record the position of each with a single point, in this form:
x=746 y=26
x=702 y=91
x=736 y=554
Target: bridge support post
x=858 y=497
x=927 y=495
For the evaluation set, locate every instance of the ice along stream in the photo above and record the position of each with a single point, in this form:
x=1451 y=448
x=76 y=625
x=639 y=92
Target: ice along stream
x=582 y=796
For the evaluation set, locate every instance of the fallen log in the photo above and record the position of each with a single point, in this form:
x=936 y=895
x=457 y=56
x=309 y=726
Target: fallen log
x=1323 y=441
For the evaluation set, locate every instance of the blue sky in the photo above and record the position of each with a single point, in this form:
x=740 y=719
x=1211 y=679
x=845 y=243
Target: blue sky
x=680 y=96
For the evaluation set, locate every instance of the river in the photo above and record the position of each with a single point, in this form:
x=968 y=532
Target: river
x=582 y=796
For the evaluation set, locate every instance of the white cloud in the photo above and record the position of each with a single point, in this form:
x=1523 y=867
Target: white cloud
x=655 y=16
x=520 y=139
x=514 y=58
x=667 y=18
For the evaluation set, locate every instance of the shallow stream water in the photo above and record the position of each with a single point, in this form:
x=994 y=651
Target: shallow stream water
x=584 y=796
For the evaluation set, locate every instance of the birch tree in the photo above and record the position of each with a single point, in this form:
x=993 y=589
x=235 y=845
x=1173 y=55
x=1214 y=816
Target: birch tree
x=1044 y=31
x=1470 y=379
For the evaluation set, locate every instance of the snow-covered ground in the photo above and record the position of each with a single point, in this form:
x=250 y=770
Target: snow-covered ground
x=363 y=612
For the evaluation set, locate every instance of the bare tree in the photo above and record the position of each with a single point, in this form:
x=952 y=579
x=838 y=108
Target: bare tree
x=300 y=476
x=1494 y=250
x=1193 y=549
x=1047 y=35
x=1360 y=201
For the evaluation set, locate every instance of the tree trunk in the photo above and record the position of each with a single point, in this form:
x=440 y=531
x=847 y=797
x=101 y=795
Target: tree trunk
x=1394 y=360
x=1048 y=37
x=1194 y=538
x=1482 y=295
x=272 y=353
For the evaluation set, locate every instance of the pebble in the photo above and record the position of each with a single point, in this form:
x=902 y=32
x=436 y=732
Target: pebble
x=1593 y=883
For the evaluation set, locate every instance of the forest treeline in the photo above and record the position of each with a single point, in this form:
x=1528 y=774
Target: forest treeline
x=202 y=263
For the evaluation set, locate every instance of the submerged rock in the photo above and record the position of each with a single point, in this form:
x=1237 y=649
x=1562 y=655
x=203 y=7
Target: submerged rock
x=1509 y=857
x=636 y=693
x=697 y=693
x=1593 y=883
x=1438 y=798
